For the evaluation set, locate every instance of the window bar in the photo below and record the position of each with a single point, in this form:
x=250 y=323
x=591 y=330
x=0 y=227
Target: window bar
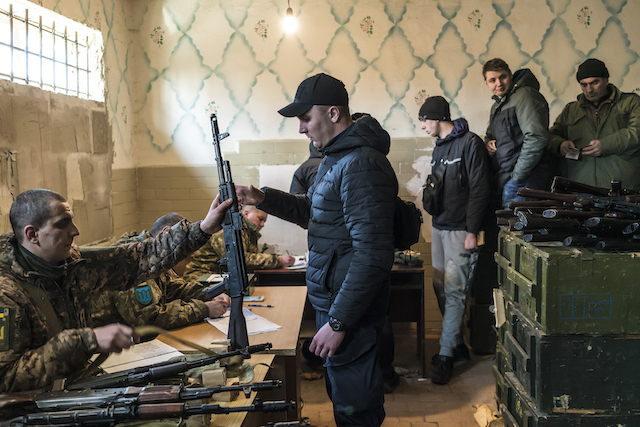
x=66 y=62
x=77 y=69
x=87 y=65
x=11 y=38
x=40 y=31
x=26 y=45
x=53 y=61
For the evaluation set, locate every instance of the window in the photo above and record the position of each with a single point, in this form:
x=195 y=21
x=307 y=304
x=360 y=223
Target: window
x=42 y=48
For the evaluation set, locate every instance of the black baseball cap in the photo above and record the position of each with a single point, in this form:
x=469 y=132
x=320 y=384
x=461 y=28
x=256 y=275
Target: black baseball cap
x=321 y=89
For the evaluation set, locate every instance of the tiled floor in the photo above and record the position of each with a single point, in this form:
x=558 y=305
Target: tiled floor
x=417 y=402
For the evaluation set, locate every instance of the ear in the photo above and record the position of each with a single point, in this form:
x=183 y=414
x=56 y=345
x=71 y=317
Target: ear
x=334 y=114
x=30 y=234
x=165 y=229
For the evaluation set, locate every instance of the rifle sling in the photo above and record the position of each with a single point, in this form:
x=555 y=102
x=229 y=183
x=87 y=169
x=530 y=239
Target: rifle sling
x=41 y=299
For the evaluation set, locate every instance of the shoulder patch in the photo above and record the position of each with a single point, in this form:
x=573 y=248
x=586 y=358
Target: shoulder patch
x=144 y=294
x=6 y=328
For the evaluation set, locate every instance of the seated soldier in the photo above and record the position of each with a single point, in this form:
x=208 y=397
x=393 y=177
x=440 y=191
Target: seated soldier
x=167 y=301
x=205 y=260
x=47 y=283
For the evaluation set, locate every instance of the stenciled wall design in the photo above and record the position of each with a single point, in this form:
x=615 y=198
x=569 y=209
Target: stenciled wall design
x=170 y=63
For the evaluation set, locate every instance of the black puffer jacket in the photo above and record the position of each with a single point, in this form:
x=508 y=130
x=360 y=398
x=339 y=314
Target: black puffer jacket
x=350 y=222
x=467 y=191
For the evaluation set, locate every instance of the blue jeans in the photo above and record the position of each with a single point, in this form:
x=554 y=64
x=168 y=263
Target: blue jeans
x=354 y=379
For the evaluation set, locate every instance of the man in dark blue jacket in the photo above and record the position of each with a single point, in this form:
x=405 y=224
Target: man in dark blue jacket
x=349 y=213
x=454 y=239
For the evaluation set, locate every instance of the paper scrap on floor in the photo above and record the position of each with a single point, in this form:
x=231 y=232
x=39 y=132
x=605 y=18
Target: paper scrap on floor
x=255 y=324
x=143 y=354
x=300 y=263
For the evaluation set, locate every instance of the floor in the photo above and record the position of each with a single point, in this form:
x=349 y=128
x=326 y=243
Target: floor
x=416 y=402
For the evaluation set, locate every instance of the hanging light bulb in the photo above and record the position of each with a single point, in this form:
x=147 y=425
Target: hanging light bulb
x=289 y=24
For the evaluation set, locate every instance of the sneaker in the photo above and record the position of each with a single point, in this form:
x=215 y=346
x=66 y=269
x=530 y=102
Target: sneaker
x=442 y=368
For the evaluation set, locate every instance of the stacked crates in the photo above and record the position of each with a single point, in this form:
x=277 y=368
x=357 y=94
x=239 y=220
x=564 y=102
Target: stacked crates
x=567 y=351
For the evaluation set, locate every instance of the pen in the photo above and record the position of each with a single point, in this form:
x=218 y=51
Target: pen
x=260 y=305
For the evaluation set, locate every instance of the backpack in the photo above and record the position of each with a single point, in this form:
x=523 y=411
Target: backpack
x=407 y=220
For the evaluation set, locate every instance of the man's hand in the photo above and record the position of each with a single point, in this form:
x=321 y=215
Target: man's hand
x=287 y=261
x=326 y=341
x=594 y=149
x=471 y=242
x=114 y=338
x=249 y=195
x=566 y=146
x=211 y=223
x=491 y=147
x=217 y=307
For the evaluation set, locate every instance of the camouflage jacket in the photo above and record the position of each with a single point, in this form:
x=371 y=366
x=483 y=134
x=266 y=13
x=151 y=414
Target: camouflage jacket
x=31 y=356
x=165 y=302
x=205 y=260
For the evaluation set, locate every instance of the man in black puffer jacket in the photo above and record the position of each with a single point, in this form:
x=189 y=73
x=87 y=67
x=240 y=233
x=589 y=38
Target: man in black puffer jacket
x=465 y=200
x=349 y=214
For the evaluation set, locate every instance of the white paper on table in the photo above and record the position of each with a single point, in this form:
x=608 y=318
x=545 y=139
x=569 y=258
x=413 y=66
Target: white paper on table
x=255 y=324
x=142 y=354
x=300 y=262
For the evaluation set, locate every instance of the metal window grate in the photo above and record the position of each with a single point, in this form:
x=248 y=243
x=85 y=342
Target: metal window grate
x=40 y=54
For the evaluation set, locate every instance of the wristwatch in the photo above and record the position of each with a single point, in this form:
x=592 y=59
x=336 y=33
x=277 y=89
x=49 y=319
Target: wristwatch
x=336 y=325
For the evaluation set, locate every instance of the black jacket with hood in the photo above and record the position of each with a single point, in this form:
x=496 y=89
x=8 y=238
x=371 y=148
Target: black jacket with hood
x=467 y=191
x=349 y=213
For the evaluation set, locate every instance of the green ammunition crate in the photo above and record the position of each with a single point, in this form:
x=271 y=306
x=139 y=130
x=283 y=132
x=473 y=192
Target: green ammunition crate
x=569 y=290
x=576 y=373
x=519 y=410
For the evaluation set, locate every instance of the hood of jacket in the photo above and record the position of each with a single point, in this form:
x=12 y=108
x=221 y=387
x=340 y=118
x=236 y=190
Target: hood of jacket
x=364 y=132
x=460 y=127
x=521 y=78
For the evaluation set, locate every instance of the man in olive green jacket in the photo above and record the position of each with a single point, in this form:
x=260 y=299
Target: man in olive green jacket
x=598 y=135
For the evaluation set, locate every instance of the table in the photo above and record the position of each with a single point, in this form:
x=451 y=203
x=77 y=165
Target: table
x=406 y=302
x=289 y=306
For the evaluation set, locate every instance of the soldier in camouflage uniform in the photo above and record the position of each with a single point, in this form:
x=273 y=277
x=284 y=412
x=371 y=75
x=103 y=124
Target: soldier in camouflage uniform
x=46 y=283
x=205 y=260
x=167 y=301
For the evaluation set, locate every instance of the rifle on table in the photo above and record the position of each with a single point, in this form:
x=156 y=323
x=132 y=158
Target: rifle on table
x=117 y=414
x=237 y=280
x=144 y=374
x=65 y=400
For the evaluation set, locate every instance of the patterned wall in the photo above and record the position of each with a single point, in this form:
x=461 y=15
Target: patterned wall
x=187 y=58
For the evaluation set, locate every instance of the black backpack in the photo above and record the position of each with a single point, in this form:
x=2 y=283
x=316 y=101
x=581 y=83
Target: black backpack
x=407 y=220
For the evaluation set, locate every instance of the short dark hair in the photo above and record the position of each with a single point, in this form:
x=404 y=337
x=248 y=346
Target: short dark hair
x=495 y=64
x=168 y=220
x=32 y=207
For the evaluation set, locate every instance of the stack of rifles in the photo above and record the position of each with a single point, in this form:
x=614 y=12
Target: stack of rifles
x=148 y=394
x=577 y=215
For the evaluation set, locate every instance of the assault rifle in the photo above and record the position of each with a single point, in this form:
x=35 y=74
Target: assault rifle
x=145 y=374
x=116 y=414
x=65 y=400
x=237 y=280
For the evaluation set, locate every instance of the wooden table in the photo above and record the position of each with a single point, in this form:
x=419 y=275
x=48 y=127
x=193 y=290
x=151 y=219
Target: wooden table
x=406 y=302
x=289 y=305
